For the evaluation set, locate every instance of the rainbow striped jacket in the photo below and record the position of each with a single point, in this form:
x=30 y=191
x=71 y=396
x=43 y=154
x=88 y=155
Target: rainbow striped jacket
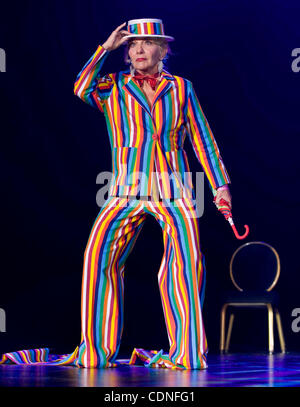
x=147 y=141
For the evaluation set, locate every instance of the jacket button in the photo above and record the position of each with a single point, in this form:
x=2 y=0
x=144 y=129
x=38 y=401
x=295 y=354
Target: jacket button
x=155 y=136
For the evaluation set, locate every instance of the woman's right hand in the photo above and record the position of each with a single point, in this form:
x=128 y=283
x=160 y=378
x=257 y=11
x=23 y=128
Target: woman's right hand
x=116 y=38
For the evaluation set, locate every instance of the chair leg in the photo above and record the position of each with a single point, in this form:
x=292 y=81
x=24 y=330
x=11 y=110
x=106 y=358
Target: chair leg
x=222 y=337
x=271 y=328
x=231 y=319
x=280 y=331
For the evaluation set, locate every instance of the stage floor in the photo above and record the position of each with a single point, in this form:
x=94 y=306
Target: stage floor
x=230 y=370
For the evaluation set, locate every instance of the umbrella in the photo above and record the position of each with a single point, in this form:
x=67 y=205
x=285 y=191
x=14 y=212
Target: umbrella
x=224 y=208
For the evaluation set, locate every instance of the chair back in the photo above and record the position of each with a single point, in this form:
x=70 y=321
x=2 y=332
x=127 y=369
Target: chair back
x=255 y=267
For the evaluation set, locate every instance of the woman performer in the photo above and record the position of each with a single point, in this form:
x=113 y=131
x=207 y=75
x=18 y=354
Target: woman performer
x=149 y=112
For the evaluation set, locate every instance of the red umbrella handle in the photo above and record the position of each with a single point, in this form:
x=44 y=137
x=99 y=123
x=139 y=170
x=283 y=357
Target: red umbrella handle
x=236 y=232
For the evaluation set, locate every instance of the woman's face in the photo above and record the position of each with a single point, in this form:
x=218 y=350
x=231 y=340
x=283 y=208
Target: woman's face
x=145 y=54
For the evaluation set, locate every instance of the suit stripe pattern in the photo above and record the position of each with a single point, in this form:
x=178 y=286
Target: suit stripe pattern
x=147 y=139
x=146 y=132
x=181 y=280
x=180 y=276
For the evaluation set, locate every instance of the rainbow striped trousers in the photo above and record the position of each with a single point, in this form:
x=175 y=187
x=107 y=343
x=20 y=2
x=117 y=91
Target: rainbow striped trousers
x=181 y=279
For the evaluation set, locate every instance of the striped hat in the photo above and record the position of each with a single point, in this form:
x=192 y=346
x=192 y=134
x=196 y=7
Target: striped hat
x=147 y=27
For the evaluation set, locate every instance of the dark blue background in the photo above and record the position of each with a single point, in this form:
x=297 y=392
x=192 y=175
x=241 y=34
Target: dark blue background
x=238 y=56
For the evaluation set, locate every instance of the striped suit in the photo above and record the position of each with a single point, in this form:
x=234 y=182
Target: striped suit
x=146 y=140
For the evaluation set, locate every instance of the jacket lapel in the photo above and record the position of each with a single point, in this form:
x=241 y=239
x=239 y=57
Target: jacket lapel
x=136 y=92
x=164 y=86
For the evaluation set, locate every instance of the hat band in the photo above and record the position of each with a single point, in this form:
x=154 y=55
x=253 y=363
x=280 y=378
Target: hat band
x=148 y=28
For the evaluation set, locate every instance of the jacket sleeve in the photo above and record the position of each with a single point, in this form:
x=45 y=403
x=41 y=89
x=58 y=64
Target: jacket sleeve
x=89 y=85
x=204 y=143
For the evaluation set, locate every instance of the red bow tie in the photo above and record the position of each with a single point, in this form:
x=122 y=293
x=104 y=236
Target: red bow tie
x=151 y=79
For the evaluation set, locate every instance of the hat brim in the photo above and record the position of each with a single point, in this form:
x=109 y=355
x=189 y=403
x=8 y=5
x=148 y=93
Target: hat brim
x=165 y=37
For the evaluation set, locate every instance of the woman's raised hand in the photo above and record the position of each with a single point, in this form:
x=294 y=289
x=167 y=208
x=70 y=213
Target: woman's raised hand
x=116 y=38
